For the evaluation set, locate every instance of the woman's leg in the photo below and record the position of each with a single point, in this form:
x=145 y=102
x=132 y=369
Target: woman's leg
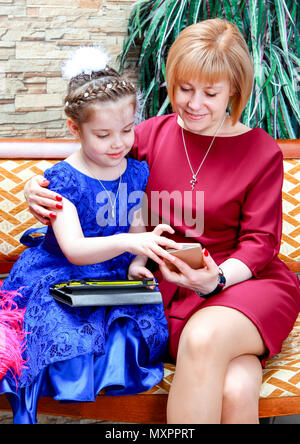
x=242 y=386
x=211 y=339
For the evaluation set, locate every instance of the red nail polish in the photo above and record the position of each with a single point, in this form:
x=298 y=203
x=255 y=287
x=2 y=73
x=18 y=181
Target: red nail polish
x=52 y=215
x=59 y=206
x=205 y=252
x=59 y=198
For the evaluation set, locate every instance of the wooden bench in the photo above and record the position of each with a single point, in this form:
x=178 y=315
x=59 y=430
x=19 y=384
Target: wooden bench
x=280 y=392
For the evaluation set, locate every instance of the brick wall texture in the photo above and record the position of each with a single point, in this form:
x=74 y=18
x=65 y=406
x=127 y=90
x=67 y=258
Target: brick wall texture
x=36 y=36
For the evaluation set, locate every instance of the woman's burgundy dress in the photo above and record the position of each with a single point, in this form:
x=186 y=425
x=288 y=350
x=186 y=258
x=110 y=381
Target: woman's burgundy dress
x=234 y=212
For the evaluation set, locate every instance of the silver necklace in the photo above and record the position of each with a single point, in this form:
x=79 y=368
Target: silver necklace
x=112 y=204
x=194 y=175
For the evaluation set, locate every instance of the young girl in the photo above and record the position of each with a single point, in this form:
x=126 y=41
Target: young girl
x=73 y=353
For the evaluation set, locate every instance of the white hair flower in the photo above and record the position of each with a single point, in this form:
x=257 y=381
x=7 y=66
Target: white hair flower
x=85 y=60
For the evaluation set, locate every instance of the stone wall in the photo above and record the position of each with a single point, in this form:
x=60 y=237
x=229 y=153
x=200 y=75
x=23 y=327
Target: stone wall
x=35 y=37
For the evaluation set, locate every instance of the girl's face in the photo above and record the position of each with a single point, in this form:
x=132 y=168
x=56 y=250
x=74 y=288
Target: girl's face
x=202 y=106
x=108 y=135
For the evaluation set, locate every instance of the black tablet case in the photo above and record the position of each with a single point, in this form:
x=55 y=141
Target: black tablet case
x=92 y=292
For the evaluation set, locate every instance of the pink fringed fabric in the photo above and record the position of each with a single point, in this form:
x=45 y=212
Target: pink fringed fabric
x=12 y=336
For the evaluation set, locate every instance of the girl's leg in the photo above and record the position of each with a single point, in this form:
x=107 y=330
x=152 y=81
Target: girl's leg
x=211 y=339
x=242 y=386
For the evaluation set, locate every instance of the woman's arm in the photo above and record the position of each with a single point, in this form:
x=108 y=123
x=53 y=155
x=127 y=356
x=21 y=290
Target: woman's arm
x=81 y=250
x=235 y=271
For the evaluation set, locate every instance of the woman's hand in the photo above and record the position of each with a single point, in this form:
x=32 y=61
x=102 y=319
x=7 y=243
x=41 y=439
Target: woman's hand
x=151 y=244
x=203 y=280
x=42 y=202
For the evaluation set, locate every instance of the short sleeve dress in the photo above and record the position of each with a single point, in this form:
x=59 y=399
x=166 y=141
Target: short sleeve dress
x=74 y=352
x=234 y=212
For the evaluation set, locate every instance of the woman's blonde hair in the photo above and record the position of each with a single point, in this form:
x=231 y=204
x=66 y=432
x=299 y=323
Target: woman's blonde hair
x=212 y=50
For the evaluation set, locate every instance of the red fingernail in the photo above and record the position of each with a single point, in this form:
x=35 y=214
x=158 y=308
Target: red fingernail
x=52 y=215
x=59 y=198
x=205 y=252
x=59 y=206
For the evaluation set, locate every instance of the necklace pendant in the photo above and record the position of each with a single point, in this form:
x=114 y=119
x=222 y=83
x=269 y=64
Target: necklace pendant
x=194 y=175
x=193 y=182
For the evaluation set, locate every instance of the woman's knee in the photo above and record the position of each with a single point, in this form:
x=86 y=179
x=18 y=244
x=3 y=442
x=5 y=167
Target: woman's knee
x=205 y=334
x=220 y=331
x=242 y=383
x=198 y=341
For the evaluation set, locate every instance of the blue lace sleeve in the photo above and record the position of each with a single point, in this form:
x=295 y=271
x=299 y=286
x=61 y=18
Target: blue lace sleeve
x=144 y=174
x=139 y=173
x=64 y=181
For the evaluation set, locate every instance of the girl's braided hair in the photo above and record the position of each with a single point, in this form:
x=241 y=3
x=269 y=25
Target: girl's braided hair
x=92 y=86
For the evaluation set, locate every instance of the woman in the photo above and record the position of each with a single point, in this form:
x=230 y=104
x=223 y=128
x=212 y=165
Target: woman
x=221 y=182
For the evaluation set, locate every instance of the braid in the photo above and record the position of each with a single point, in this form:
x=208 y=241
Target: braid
x=87 y=89
x=82 y=79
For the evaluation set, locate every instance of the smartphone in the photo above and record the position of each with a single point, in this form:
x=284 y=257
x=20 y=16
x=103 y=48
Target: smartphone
x=190 y=253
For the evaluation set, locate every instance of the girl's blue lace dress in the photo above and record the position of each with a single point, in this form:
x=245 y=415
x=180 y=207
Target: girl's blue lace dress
x=73 y=353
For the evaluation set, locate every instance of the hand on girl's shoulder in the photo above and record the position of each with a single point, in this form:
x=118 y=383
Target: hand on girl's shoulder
x=63 y=180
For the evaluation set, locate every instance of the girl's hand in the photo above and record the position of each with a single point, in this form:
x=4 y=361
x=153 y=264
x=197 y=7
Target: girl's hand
x=150 y=244
x=41 y=201
x=138 y=271
x=203 y=280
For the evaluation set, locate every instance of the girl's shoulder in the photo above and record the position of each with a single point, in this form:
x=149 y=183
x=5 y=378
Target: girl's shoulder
x=63 y=179
x=58 y=168
x=138 y=172
x=137 y=166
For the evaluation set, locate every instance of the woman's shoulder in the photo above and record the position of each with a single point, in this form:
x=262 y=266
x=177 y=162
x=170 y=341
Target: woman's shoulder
x=257 y=149
x=148 y=132
x=263 y=141
x=156 y=123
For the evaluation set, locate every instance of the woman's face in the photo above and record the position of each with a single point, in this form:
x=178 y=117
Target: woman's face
x=202 y=106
